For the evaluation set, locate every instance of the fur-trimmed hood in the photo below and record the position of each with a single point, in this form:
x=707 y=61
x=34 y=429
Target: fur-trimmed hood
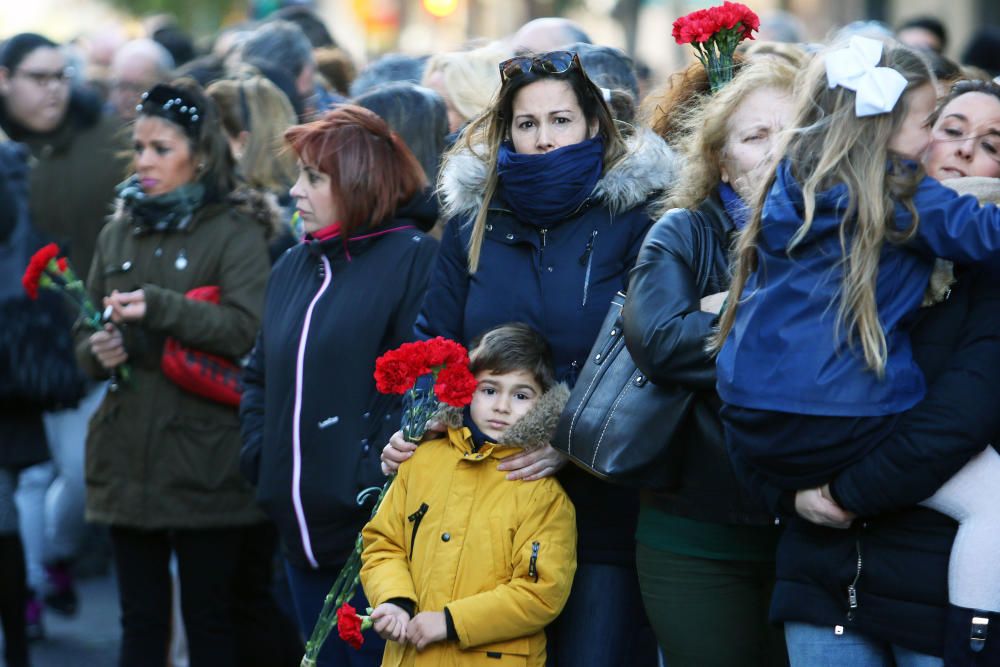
x=649 y=166
x=533 y=430
x=259 y=207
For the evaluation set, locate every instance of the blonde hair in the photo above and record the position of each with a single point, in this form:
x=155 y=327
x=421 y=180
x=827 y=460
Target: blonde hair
x=831 y=146
x=255 y=105
x=471 y=78
x=492 y=127
x=791 y=54
x=704 y=129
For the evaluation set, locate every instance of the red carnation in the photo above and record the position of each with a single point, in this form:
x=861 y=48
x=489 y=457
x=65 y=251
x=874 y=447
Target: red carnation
x=395 y=372
x=36 y=267
x=455 y=385
x=349 y=626
x=443 y=352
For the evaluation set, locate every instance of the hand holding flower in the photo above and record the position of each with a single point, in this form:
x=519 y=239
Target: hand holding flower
x=126 y=306
x=426 y=628
x=109 y=348
x=390 y=622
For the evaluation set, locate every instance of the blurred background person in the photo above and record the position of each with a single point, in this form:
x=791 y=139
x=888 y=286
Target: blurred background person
x=547 y=34
x=135 y=68
x=386 y=69
x=926 y=33
x=418 y=116
x=163 y=461
x=76 y=163
x=467 y=81
x=283 y=44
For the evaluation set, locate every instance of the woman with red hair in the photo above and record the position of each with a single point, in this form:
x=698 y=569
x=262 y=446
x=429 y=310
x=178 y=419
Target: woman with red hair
x=313 y=422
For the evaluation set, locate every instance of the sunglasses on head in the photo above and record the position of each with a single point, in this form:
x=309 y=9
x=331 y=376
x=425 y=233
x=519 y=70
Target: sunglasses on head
x=553 y=62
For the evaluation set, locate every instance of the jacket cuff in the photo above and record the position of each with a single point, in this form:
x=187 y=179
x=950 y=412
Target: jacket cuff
x=407 y=605
x=450 y=623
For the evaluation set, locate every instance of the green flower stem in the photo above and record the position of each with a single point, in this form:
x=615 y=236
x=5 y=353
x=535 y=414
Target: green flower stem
x=342 y=590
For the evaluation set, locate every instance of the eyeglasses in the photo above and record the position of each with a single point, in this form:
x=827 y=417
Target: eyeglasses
x=553 y=62
x=45 y=79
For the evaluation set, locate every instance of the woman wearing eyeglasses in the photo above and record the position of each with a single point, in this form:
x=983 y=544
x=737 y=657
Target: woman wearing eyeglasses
x=76 y=163
x=163 y=451
x=547 y=205
x=894 y=556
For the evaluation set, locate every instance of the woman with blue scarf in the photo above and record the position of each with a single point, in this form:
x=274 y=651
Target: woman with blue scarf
x=547 y=202
x=705 y=549
x=162 y=460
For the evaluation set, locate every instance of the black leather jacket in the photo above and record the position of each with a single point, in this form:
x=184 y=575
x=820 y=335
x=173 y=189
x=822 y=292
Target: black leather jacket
x=685 y=257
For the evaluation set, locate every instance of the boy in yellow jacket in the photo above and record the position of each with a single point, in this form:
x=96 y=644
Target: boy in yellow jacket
x=463 y=566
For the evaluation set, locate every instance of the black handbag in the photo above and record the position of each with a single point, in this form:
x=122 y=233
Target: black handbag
x=618 y=425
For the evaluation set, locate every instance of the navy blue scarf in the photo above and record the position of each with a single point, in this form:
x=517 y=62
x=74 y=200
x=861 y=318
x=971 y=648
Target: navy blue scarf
x=545 y=189
x=737 y=209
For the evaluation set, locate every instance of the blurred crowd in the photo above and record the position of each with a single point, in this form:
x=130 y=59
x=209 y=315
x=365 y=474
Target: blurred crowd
x=342 y=208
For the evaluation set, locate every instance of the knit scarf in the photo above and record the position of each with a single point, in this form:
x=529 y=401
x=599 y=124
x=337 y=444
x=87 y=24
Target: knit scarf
x=545 y=189
x=737 y=209
x=171 y=211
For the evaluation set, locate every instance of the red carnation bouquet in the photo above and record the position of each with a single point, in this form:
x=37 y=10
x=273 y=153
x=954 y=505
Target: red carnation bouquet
x=715 y=32
x=427 y=374
x=47 y=270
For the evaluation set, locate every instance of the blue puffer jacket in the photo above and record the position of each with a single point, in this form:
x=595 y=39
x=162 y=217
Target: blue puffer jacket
x=785 y=352
x=559 y=280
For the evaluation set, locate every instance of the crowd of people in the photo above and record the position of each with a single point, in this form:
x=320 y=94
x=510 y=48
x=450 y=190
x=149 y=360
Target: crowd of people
x=807 y=248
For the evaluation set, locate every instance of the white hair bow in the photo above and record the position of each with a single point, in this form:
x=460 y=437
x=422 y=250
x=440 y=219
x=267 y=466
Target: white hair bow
x=855 y=67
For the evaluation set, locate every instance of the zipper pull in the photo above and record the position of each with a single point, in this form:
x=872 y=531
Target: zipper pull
x=533 y=563
x=588 y=249
x=544 y=232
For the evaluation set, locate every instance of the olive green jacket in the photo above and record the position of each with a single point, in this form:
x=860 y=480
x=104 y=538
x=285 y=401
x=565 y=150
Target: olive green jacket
x=158 y=456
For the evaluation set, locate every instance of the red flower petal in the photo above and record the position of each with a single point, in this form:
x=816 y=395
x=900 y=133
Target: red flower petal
x=349 y=626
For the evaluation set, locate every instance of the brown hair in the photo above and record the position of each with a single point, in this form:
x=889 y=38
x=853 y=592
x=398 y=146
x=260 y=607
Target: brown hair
x=371 y=170
x=336 y=66
x=664 y=110
x=513 y=347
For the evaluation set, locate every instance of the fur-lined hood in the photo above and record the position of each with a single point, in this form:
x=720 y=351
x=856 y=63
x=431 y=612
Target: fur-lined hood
x=259 y=207
x=649 y=166
x=533 y=430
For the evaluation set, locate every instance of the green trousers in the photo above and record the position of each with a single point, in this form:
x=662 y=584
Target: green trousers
x=710 y=613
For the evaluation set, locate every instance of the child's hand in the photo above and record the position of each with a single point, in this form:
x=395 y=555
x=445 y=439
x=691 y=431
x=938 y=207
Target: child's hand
x=390 y=622
x=426 y=628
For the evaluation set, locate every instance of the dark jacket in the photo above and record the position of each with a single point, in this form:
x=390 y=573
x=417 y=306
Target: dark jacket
x=898 y=560
x=31 y=331
x=786 y=352
x=159 y=456
x=685 y=257
x=313 y=423
x=559 y=280
x=74 y=171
